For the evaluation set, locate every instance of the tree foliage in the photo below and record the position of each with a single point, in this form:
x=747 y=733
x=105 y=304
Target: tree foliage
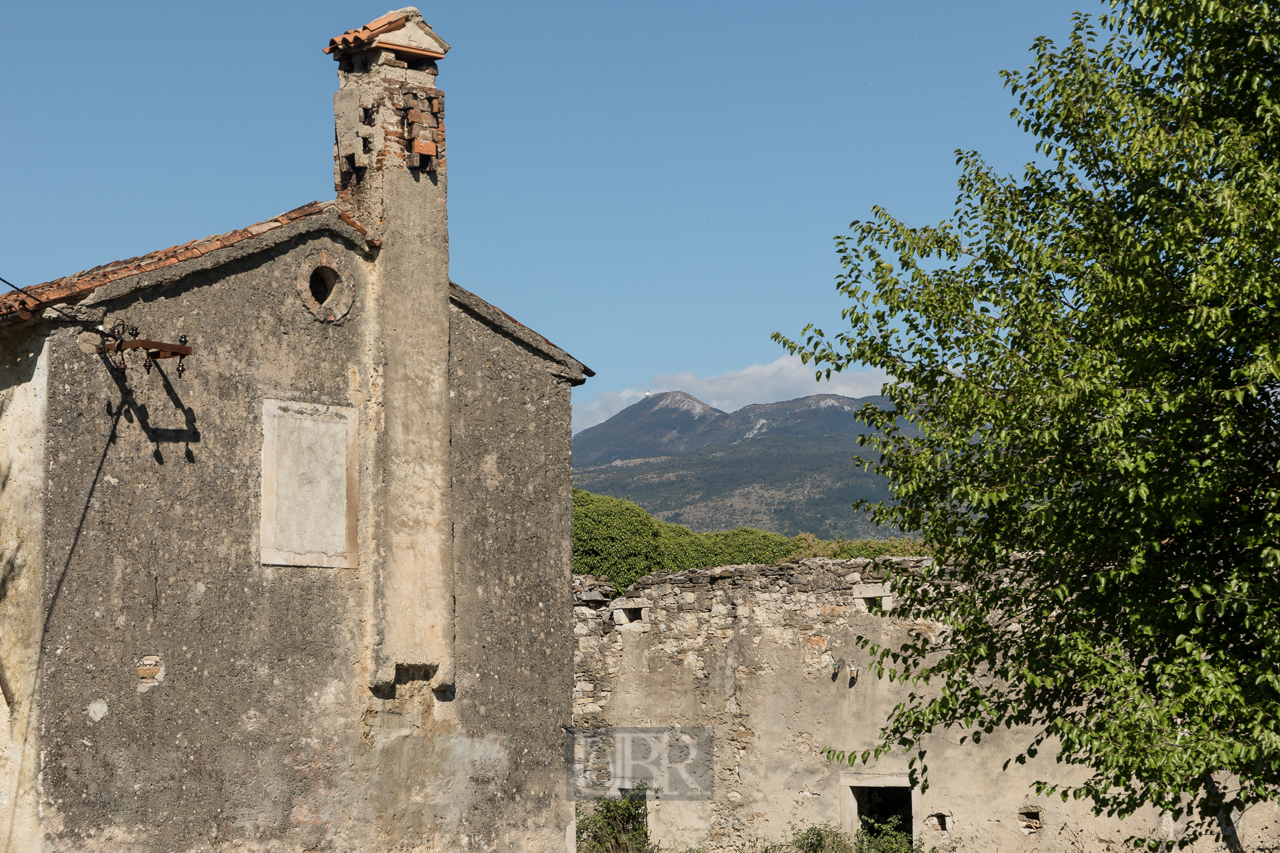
x=618 y=540
x=1089 y=353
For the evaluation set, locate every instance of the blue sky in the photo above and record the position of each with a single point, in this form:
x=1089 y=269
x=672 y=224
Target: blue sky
x=654 y=187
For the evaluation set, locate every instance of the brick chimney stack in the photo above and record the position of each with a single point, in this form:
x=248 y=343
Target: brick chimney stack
x=389 y=167
x=388 y=113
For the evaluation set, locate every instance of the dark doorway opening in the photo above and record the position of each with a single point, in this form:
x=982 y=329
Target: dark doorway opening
x=884 y=809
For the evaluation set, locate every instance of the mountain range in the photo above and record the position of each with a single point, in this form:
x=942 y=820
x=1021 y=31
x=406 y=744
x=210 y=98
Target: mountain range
x=786 y=467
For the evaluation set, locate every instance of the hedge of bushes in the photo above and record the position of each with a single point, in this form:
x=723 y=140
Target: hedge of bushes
x=618 y=540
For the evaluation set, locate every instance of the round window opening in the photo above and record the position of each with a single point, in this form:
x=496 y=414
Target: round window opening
x=325 y=286
x=322 y=284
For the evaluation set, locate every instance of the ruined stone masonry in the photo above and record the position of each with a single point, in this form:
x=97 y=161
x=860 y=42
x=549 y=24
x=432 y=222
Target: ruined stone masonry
x=765 y=656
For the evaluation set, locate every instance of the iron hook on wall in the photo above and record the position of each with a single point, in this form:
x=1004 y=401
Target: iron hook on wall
x=153 y=350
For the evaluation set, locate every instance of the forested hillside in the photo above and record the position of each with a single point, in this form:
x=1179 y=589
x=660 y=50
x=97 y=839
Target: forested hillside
x=783 y=467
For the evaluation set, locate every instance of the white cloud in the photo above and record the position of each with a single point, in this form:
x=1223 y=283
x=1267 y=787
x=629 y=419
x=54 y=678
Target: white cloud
x=784 y=379
x=602 y=407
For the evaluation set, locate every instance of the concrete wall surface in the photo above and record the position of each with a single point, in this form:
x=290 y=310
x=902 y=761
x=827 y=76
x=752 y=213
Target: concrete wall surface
x=195 y=696
x=191 y=695
x=760 y=656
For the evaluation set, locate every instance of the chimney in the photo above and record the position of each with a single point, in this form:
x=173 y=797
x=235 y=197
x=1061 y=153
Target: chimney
x=388 y=113
x=389 y=167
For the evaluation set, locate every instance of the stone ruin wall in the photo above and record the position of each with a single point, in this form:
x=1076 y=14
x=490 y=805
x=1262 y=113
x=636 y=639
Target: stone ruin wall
x=699 y=611
x=750 y=651
x=669 y=652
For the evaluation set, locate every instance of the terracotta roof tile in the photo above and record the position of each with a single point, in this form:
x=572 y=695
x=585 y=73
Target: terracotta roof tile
x=388 y=23
x=75 y=287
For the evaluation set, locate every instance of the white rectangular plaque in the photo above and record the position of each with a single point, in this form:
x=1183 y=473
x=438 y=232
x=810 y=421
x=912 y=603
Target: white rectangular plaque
x=309 y=484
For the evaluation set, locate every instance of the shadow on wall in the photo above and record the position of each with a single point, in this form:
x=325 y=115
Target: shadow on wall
x=131 y=411
x=11 y=566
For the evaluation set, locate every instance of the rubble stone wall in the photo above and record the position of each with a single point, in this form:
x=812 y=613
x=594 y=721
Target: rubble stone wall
x=762 y=656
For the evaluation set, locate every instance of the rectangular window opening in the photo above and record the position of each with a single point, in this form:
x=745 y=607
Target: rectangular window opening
x=627 y=615
x=883 y=809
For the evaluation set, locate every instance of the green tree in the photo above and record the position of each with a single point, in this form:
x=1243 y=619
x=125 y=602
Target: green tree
x=1090 y=355
x=616 y=539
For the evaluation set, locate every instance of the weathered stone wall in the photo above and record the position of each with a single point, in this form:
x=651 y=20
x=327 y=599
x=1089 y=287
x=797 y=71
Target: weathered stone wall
x=23 y=378
x=754 y=652
x=403 y=204
x=190 y=694
x=513 y=532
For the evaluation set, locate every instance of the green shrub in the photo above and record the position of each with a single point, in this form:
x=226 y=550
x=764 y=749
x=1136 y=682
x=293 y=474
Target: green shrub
x=615 y=824
x=823 y=838
x=615 y=539
x=618 y=540
x=807 y=545
x=744 y=545
x=886 y=837
x=681 y=548
x=874 y=837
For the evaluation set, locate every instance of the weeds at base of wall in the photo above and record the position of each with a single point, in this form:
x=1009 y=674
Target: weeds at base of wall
x=874 y=837
x=621 y=825
x=615 y=824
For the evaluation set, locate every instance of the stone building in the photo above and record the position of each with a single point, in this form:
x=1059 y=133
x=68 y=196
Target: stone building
x=763 y=658
x=285 y=526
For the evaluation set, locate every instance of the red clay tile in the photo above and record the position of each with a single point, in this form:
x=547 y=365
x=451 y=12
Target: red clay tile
x=388 y=23
x=350 y=220
x=75 y=287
